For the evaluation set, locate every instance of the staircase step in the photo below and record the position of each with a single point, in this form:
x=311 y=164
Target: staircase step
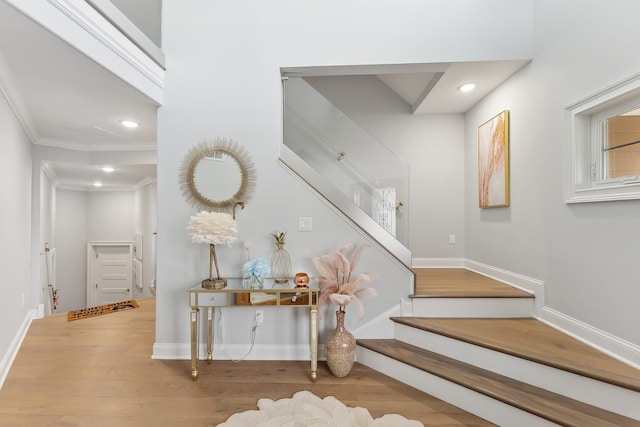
x=541 y=403
x=532 y=352
x=461 y=283
x=533 y=340
x=457 y=292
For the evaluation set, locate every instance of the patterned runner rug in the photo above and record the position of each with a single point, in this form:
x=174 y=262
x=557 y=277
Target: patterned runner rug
x=101 y=309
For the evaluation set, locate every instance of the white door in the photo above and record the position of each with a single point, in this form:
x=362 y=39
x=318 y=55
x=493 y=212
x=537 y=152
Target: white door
x=110 y=273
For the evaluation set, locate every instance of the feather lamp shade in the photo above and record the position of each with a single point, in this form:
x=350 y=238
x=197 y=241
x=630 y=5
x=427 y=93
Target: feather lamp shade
x=214 y=228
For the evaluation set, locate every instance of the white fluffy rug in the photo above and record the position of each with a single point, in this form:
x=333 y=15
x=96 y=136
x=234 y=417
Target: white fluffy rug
x=308 y=410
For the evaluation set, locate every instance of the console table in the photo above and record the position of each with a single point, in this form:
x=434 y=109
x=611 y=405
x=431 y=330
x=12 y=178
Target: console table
x=234 y=295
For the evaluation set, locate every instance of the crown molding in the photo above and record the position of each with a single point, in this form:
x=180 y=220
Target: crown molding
x=76 y=146
x=16 y=101
x=48 y=170
x=143 y=183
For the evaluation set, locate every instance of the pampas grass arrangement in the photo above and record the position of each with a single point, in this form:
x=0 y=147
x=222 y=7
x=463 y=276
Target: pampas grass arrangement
x=336 y=282
x=214 y=228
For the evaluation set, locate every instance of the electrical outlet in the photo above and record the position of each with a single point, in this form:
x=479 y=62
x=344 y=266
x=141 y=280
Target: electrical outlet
x=452 y=239
x=259 y=317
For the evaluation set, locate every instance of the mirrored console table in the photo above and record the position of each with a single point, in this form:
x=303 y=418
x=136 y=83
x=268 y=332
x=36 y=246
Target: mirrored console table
x=234 y=295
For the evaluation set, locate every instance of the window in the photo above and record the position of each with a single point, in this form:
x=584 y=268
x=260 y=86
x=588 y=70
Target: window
x=604 y=145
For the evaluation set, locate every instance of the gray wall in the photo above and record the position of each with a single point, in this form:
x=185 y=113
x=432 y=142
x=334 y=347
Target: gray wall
x=432 y=146
x=587 y=254
x=96 y=216
x=235 y=92
x=71 y=249
x=16 y=293
x=145 y=222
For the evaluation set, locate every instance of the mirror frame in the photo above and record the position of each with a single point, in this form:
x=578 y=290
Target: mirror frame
x=208 y=147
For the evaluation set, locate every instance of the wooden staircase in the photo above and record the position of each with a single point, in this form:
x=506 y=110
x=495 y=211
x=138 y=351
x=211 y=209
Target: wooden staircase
x=501 y=364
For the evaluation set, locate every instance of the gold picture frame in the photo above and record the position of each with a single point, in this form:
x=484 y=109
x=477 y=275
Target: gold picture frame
x=493 y=161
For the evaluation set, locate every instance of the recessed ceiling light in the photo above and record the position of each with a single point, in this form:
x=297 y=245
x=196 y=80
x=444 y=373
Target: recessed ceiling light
x=129 y=124
x=108 y=169
x=97 y=184
x=467 y=87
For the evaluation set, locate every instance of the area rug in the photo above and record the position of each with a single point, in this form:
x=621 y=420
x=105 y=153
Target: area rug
x=101 y=309
x=305 y=409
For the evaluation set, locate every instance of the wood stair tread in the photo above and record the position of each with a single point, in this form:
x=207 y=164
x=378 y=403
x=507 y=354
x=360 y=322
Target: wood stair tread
x=551 y=406
x=461 y=283
x=533 y=340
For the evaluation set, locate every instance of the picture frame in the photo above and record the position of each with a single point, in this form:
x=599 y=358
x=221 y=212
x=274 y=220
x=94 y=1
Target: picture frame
x=493 y=161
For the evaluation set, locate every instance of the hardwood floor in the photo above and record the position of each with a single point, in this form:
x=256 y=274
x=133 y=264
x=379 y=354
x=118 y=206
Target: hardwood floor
x=99 y=372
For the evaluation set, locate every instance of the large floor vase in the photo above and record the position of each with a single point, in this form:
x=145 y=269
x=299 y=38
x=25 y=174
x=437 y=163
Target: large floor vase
x=340 y=348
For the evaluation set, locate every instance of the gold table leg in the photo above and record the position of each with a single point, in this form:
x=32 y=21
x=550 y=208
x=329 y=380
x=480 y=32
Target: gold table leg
x=209 y=335
x=194 y=342
x=313 y=334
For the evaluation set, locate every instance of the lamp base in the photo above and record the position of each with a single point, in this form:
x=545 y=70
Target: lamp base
x=214 y=283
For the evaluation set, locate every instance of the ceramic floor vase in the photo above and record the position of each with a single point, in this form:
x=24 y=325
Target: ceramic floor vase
x=340 y=348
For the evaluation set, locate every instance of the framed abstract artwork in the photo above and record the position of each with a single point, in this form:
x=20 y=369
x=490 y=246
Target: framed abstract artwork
x=493 y=161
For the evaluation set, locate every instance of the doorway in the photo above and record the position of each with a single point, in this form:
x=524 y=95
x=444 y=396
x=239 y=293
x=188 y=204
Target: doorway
x=110 y=272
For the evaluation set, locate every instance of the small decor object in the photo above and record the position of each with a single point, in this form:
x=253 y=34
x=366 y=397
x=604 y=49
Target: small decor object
x=301 y=280
x=280 y=262
x=341 y=348
x=338 y=286
x=99 y=310
x=493 y=161
x=256 y=270
x=214 y=228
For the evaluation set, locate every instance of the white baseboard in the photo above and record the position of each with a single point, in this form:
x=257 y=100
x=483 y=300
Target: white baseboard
x=613 y=346
x=437 y=263
x=9 y=357
x=177 y=351
x=516 y=280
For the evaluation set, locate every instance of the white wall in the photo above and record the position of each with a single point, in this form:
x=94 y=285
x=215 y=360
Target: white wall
x=224 y=80
x=71 y=249
x=16 y=292
x=587 y=254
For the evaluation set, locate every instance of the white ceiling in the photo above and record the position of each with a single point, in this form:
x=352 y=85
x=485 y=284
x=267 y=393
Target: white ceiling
x=66 y=100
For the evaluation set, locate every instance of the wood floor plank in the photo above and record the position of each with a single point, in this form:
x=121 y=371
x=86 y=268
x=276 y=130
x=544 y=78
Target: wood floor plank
x=99 y=372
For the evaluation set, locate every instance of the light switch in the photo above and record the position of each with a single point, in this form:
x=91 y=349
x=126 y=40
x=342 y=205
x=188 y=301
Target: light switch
x=305 y=223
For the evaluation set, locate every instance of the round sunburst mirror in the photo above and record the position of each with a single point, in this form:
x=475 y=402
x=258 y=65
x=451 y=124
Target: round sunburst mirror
x=217 y=174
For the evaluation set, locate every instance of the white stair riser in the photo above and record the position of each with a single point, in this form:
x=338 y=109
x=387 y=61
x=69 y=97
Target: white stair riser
x=473 y=307
x=476 y=403
x=596 y=393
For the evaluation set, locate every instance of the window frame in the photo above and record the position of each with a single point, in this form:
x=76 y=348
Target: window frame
x=586 y=139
